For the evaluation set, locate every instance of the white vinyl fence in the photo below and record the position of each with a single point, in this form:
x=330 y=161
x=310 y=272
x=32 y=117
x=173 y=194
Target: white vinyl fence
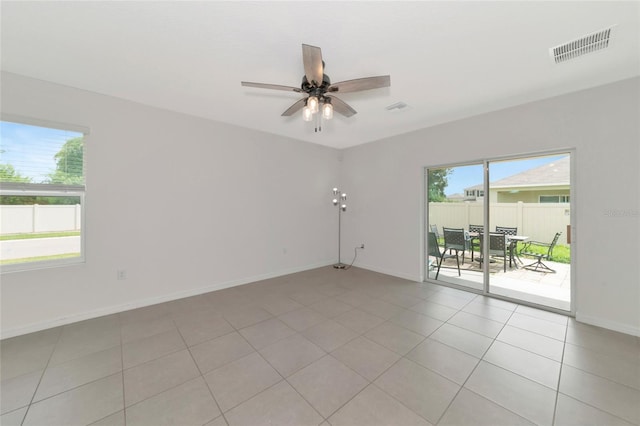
x=36 y=218
x=539 y=222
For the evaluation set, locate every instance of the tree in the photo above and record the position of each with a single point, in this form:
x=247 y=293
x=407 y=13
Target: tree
x=438 y=181
x=8 y=174
x=69 y=163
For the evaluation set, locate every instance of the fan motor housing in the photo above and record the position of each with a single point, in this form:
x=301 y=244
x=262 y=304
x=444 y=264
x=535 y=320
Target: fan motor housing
x=309 y=88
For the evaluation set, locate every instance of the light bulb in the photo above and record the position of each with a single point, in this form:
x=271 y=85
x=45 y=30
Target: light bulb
x=307 y=114
x=344 y=207
x=312 y=103
x=343 y=196
x=327 y=111
x=335 y=191
x=335 y=202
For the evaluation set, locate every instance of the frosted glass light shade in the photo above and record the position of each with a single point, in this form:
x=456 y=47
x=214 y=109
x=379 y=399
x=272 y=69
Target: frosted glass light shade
x=307 y=115
x=312 y=103
x=327 y=111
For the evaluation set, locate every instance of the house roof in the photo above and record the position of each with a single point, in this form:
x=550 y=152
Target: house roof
x=556 y=172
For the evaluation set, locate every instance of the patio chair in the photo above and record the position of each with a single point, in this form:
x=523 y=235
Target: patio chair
x=547 y=248
x=474 y=242
x=434 y=250
x=507 y=230
x=456 y=240
x=434 y=229
x=497 y=248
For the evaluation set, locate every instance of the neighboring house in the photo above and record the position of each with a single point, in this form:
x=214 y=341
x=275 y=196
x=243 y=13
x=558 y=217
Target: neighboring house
x=549 y=183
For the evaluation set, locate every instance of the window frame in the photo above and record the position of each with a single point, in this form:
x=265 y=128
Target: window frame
x=50 y=190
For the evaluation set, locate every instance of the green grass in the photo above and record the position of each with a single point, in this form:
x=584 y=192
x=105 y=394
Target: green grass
x=561 y=253
x=30 y=235
x=38 y=258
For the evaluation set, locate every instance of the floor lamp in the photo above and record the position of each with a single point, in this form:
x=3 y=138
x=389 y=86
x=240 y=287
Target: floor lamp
x=338 y=200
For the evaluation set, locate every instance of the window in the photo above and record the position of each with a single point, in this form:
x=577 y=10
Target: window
x=554 y=198
x=42 y=190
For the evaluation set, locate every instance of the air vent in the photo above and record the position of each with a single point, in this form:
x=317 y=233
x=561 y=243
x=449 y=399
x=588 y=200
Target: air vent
x=397 y=105
x=582 y=46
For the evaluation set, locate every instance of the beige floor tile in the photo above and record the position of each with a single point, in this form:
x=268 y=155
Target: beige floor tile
x=416 y=322
x=605 y=341
x=27 y=353
x=402 y=299
x=534 y=367
x=522 y=396
x=354 y=298
x=467 y=341
x=245 y=316
x=83 y=405
x=469 y=408
x=77 y=372
x=115 y=419
x=86 y=337
x=434 y=310
x=329 y=335
x=623 y=370
x=330 y=307
x=151 y=378
x=367 y=358
x=202 y=329
x=327 y=384
x=422 y=390
x=278 y=405
x=144 y=314
x=266 y=332
x=537 y=313
x=451 y=363
x=188 y=404
x=381 y=309
x=486 y=311
x=533 y=342
x=238 y=381
x=396 y=338
x=454 y=301
x=218 y=352
x=219 y=421
x=291 y=354
x=372 y=407
x=17 y=392
x=359 y=321
x=140 y=330
x=614 y=398
x=13 y=418
x=570 y=412
x=301 y=319
x=537 y=325
x=477 y=324
x=306 y=297
x=156 y=346
x=279 y=305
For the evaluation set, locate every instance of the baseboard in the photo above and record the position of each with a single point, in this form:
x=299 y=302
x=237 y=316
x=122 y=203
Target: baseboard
x=388 y=272
x=44 y=325
x=611 y=325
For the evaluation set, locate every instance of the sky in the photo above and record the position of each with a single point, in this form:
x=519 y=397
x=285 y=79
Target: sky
x=465 y=176
x=31 y=149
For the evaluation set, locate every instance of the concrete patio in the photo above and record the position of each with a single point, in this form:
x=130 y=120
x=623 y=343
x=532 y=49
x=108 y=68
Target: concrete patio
x=544 y=288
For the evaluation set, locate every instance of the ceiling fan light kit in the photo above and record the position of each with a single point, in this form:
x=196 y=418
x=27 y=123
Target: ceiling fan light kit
x=320 y=101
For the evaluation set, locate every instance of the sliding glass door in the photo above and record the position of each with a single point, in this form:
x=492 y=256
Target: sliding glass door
x=506 y=232
x=455 y=220
x=529 y=201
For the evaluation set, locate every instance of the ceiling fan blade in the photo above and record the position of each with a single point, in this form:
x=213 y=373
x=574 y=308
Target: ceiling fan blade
x=359 y=84
x=294 y=108
x=341 y=107
x=271 y=86
x=312 y=60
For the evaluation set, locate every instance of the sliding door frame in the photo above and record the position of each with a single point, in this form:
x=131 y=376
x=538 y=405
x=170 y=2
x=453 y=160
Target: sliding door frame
x=486 y=210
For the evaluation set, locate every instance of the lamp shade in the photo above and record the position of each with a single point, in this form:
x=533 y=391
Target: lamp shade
x=312 y=103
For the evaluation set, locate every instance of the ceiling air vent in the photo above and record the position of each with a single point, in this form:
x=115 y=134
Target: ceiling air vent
x=397 y=105
x=582 y=46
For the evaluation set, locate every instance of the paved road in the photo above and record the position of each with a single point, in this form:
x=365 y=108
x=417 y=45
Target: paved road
x=18 y=249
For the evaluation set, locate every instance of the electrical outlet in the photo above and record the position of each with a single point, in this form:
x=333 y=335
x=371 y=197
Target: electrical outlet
x=362 y=245
x=122 y=274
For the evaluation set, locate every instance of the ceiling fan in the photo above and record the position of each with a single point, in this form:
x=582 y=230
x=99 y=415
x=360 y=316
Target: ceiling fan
x=319 y=93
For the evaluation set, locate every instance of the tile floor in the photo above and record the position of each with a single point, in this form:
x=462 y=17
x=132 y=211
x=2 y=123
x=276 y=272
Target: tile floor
x=324 y=347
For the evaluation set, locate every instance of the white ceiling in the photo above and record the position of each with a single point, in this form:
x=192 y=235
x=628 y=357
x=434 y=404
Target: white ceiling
x=447 y=60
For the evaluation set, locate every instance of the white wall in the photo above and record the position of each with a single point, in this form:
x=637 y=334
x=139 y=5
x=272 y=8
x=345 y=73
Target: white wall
x=385 y=182
x=261 y=207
